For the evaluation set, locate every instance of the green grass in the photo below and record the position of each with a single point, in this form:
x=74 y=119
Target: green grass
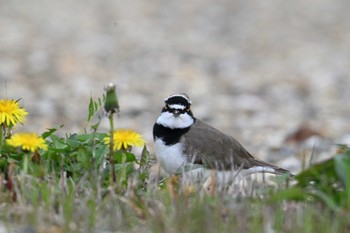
x=69 y=188
x=81 y=207
x=59 y=203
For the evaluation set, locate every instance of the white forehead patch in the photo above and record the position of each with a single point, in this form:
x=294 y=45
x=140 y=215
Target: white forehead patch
x=183 y=95
x=177 y=106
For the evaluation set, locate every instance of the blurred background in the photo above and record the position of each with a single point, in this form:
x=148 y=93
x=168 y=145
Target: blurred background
x=274 y=74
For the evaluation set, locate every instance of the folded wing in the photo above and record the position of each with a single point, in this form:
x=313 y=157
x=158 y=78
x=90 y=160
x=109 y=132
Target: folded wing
x=218 y=150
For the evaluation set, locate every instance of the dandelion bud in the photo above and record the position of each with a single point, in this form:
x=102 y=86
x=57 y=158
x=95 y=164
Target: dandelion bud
x=111 y=103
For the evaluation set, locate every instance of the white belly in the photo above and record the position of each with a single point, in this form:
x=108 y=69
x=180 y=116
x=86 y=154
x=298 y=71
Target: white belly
x=171 y=158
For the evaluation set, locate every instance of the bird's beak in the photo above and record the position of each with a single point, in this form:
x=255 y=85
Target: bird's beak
x=176 y=113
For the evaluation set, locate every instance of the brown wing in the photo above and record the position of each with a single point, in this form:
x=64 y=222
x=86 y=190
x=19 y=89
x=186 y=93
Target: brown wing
x=214 y=149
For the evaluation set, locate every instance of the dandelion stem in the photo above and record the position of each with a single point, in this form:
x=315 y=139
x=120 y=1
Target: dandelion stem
x=111 y=106
x=1 y=137
x=111 y=150
x=25 y=163
x=123 y=170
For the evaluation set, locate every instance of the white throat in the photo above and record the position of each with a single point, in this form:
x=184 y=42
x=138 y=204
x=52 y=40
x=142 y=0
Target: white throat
x=168 y=120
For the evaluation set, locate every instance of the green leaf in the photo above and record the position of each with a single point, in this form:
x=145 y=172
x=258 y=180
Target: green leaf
x=94 y=107
x=342 y=167
x=50 y=131
x=58 y=143
x=316 y=173
x=100 y=152
x=100 y=136
x=100 y=102
x=91 y=110
x=128 y=167
x=73 y=142
x=74 y=167
x=95 y=126
x=295 y=194
x=129 y=157
x=329 y=200
x=83 y=156
x=144 y=157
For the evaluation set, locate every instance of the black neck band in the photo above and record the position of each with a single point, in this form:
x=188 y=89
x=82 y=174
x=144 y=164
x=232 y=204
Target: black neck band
x=169 y=136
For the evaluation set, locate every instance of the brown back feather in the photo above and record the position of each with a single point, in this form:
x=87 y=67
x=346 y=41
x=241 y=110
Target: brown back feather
x=218 y=150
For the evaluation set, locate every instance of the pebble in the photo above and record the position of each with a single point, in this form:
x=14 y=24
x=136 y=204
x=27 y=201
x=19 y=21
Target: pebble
x=255 y=70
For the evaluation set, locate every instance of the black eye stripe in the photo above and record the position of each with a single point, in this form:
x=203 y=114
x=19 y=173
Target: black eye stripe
x=178 y=110
x=172 y=110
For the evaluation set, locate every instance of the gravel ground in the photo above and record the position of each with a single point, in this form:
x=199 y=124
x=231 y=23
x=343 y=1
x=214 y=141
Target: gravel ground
x=256 y=69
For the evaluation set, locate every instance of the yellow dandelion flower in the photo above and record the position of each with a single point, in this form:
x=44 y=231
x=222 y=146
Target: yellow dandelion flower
x=11 y=113
x=125 y=138
x=28 y=141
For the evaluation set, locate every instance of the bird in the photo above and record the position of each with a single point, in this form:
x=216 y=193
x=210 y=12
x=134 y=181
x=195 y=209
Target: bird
x=183 y=143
